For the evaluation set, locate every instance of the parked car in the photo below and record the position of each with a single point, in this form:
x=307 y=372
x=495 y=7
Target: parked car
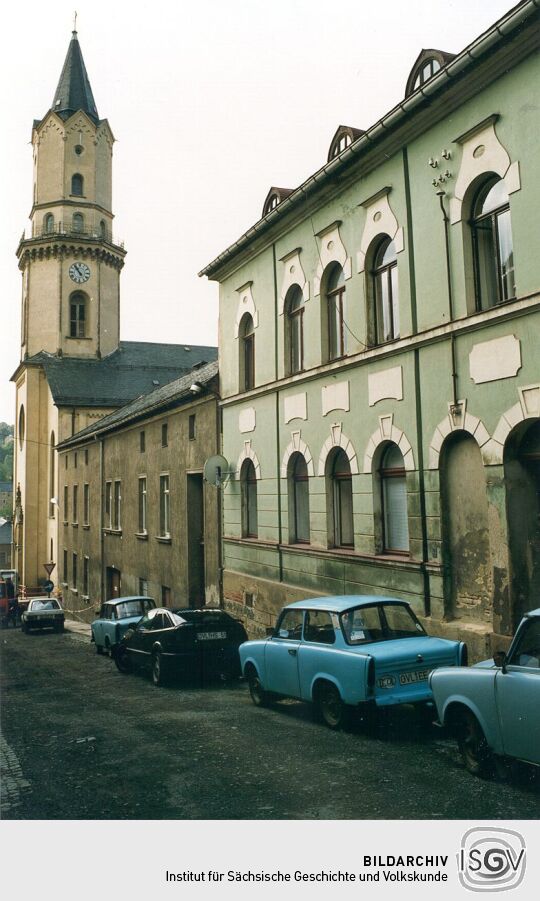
x=185 y=642
x=342 y=652
x=493 y=707
x=115 y=618
x=42 y=613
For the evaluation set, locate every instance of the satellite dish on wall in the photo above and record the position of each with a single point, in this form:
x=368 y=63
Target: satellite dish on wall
x=216 y=471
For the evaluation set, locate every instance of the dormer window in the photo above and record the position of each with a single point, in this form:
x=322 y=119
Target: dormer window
x=426 y=72
x=427 y=64
x=273 y=198
x=343 y=137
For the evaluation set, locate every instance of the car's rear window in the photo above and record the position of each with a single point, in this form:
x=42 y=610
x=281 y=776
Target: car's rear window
x=50 y=604
x=380 y=622
x=133 y=608
x=205 y=617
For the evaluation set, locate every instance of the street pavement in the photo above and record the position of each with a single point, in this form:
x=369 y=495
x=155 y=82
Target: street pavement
x=82 y=741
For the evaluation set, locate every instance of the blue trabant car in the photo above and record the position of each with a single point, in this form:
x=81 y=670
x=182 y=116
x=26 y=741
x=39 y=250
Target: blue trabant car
x=115 y=618
x=493 y=707
x=343 y=652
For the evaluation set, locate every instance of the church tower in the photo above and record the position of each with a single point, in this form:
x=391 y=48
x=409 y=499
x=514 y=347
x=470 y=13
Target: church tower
x=70 y=322
x=70 y=262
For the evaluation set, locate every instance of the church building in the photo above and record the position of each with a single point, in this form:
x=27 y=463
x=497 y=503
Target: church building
x=74 y=368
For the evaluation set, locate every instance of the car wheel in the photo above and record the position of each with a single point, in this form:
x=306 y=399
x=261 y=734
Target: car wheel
x=258 y=695
x=99 y=648
x=473 y=746
x=107 y=645
x=122 y=661
x=157 y=668
x=330 y=708
x=59 y=628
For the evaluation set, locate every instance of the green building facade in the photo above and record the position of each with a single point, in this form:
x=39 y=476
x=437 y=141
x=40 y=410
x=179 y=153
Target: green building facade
x=378 y=355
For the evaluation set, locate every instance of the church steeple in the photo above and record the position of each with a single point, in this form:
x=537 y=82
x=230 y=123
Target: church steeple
x=74 y=92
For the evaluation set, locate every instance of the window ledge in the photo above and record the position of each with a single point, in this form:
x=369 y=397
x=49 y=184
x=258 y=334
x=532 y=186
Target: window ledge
x=75 y=525
x=74 y=591
x=86 y=526
x=80 y=338
x=164 y=539
x=64 y=584
x=142 y=536
x=109 y=531
x=85 y=597
x=66 y=522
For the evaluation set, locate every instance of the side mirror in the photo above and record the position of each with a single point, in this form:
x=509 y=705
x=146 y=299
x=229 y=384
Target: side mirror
x=499 y=659
x=269 y=631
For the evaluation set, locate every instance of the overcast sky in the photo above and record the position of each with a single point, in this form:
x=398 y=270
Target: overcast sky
x=211 y=103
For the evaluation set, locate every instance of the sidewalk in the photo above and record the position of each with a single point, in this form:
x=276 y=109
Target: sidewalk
x=73 y=625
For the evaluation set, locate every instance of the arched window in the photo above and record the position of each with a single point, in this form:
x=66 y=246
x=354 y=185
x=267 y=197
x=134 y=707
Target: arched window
x=103 y=229
x=335 y=303
x=77 y=316
x=394 y=501
x=385 y=296
x=248 y=489
x=492 y=245
x=298 y=492
x=48 y=224
x=78 y=222
x=52 y=479
x=294 y=336
x=21 y=426
x=77 y=184
x=428 y=70
x=339 y=499
x=247 y=353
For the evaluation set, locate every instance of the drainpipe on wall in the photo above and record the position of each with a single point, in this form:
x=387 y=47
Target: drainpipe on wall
x=417 y=387
x=101 y=517
x=219 y=445
x=278 y=439
x=440 y=195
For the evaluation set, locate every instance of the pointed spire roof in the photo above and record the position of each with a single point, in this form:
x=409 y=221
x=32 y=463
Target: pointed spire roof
x=74 y=92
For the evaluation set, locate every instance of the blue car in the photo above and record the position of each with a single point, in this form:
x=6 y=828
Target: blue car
x=344 y=652
x=115 y=618
x=493 y=708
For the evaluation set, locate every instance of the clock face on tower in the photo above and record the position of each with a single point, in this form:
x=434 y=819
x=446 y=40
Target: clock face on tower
x=79 y=272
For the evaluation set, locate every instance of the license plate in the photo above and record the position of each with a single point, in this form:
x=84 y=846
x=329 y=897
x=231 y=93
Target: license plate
x=207 y=636
x=419 y=675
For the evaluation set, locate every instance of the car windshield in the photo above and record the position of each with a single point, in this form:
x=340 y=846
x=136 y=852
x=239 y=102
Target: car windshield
x=137 y=607
x=380 y=622
x=50 y=604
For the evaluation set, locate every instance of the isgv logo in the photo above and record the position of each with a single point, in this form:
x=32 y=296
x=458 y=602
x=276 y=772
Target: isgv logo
x=491 y=860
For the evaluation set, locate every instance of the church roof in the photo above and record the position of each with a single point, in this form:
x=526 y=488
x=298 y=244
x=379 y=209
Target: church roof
x=136 y=368
x=175 y=392
x=74 y=92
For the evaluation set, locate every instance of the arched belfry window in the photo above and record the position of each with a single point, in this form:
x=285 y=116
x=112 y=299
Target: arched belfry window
x=493 y=250
x=394 y=501
x=298 y=499
x=247 y=353
x=48 y=224
x=294 y=335
x=77 y=185
x=103 y=229
x=77 y=315
x=384 y=293
x=78 y=222
x=248 y=491
x=339 y=500
x=335 y=305
x=21 y=426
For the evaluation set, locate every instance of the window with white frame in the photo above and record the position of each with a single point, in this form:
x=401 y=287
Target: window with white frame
x=164 y=506
x=142 y=505
x=394 y=501
x=117 y=512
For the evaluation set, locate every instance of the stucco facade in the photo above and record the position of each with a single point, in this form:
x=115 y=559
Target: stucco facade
x=115 y=536
x=455 y=387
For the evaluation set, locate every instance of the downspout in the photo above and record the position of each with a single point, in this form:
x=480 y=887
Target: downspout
x=440 y=195
x=278 y=438
x=219 y=445
x=417 y=388
x=101 y=518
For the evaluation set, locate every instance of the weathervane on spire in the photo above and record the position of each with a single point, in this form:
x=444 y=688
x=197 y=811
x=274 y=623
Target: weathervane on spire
x=75 y=22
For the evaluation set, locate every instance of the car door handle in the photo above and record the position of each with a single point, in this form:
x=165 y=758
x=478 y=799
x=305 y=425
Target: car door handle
x=292 y=652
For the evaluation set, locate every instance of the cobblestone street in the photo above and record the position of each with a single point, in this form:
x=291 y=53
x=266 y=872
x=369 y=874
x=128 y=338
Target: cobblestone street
x=82 y=741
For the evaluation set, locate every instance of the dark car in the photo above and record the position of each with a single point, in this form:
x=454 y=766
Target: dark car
x=195 y=644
